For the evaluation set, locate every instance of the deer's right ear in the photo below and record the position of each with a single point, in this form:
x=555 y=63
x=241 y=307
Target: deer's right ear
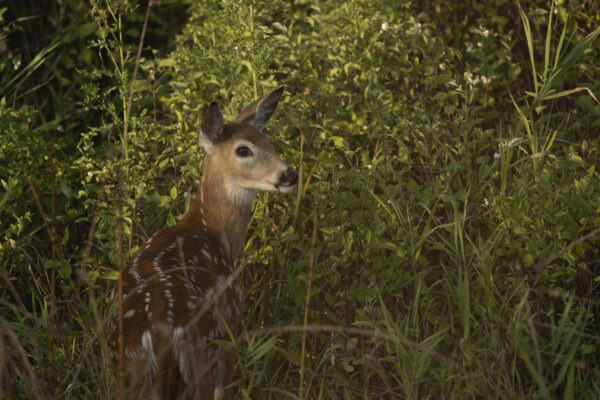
x=212 y=127
x=259 y=112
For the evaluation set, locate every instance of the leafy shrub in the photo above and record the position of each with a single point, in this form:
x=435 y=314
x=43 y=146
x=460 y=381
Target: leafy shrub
x=443 y=238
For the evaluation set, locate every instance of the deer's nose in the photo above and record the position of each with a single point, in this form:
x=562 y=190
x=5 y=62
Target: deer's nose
x=288 y=178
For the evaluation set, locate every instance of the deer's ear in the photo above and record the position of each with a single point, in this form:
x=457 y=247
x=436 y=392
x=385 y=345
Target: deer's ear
x=212 y=127
x=259 y=112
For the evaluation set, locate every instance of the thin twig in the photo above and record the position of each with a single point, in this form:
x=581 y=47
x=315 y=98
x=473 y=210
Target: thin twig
x=307 y=303
x=135 y=71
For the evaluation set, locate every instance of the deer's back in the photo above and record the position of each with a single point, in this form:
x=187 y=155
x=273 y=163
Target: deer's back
x=179 y=294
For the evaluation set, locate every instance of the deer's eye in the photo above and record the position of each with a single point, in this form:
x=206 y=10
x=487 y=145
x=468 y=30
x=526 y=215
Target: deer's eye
x=243 y=151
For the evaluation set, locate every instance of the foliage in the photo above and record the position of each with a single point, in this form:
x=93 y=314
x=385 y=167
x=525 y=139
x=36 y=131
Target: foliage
x=443 y=241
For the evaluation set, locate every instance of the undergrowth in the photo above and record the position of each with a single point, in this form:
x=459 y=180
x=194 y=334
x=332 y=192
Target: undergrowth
x=443 y=240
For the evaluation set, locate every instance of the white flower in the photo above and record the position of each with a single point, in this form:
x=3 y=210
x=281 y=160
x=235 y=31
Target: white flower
x=468 y=77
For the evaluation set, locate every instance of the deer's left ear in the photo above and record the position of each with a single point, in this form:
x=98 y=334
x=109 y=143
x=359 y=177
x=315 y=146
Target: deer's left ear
x=212 y=127
x=259 y=112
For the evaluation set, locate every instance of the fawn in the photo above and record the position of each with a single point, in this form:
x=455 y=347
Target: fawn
x=181 y=292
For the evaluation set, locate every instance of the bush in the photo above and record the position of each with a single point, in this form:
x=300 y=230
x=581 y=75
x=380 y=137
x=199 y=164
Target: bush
x=443 y=240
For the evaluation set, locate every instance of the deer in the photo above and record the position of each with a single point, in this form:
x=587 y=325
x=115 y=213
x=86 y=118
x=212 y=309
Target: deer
x=180 y=294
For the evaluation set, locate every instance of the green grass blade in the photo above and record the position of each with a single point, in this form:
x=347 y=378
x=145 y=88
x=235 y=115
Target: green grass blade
x=29 y=69
x=570 y=92
x=570 y=59
x=548 y=41
x=527 y=29
x=560 y=43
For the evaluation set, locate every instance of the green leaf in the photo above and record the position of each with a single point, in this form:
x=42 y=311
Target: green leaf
x=166 y=62
x=339 y=142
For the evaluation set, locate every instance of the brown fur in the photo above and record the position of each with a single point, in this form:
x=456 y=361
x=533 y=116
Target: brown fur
x=181 y=292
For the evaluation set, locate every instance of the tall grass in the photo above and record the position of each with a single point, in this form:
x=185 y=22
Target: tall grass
x=433 y=250
x=547 y=81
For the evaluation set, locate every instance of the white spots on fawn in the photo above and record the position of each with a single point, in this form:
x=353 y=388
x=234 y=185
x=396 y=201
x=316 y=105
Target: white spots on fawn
x=179 y=351
x=149 y=241
x=147 y=345
x=156 y=265
x=170 y=304
x=147 y=301
x=134 y=272
x=181 y=255
x=224 y=262
x=183 y=279
x=177 y=333
x=207 y=254
x=192 y=299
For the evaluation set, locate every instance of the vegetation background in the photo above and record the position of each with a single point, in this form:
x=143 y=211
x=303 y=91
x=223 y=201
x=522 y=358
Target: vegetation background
x=443 y=242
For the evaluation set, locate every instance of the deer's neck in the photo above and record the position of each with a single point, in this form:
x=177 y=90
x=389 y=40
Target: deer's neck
x=222 y=210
